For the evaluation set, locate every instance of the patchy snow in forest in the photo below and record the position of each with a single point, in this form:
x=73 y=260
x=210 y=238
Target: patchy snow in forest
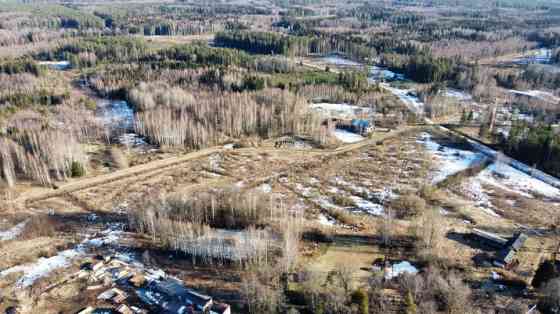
x=347 y=137
x=540 y=56
x=13 y=232
x=115 y=114
x=457 y=94
x=132 y=140
x=340 y=110
x=448 y=160
x=401 y=268
x=377 y=74
x=407 y=96
x=542 y=95
x=340 y=61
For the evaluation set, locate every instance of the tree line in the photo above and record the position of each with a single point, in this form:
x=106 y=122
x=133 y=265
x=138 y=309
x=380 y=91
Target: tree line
x=536 y=145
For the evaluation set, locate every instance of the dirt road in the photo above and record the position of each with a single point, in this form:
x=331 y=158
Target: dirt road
x=163 y=164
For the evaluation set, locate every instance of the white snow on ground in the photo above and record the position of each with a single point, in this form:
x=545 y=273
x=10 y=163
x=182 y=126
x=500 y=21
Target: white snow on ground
x=340 y=110
x=116 y=114
x=326 y=220
x=401 y=268
x=43 y=266
x=542 y=95
x=303 y=190
x=460 y=95
x=367 y=206
x=132 y=140
x=378 y=74
x=265 y=188
x=449 y=160
x=406 y=96
x=56 y=65
x=510 y=179
x=347 y=137
x=336 y=60
x=13 y=232
x=473 y=190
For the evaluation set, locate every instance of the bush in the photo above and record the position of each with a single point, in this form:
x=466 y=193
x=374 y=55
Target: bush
x=411 y=307
x=546 y=272
x=409 y=205
x=360 y=298
x=343 y=201
x=317 y=235
x=77 y=169
x=119 y=159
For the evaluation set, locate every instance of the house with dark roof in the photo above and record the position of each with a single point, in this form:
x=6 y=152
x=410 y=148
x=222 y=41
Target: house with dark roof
x=174 y=297
x=490 y=239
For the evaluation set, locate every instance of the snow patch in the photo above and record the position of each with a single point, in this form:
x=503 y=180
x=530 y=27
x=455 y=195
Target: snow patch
x=407 y=96
x=115 y=114
x=44 y=266
x=340 y=110
x=367 y=206
x=326 y=220
x=340 y=61
x=55 y=65
x=347 y=137
x=449 y=160
x=511 y=179
x=401 y=268
x=457 y=94
x=13 y=232
x=265 y=188
x=542 y=95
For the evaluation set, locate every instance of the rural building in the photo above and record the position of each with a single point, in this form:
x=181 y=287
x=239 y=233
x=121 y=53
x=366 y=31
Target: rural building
x=490 y=239
x=506 y=256
x=179 y=299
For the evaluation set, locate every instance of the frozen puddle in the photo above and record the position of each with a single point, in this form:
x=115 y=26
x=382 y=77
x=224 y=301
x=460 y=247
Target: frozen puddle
x=44 y=266
x=400 y=268
x=56 y=65
x=13 y=232
x=347 y=137
x=449 y=161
